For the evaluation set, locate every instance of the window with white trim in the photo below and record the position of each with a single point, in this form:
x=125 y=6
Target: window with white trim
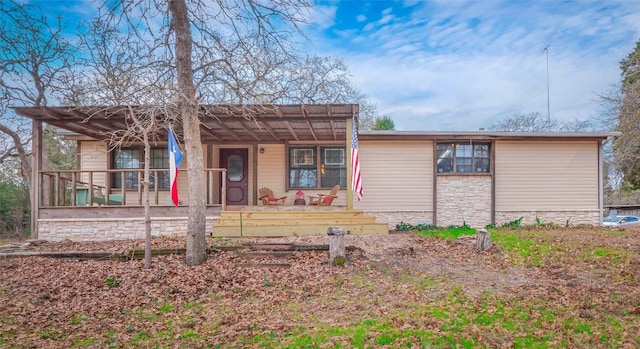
x=456 y=157
x=317 y=167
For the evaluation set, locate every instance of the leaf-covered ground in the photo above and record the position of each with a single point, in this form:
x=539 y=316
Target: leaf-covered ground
x=571 y=288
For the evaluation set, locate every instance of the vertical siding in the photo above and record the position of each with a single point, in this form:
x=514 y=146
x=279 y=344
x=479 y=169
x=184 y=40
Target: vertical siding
x=396 y=175
x=546 y=175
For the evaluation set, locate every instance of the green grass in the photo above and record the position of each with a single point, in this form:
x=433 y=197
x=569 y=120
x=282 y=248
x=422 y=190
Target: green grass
x=448 y=233
x=522 y=251
x=456 y=322
x=609 y=255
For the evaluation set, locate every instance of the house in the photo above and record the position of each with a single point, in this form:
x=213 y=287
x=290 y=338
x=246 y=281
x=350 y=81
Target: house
x=442 y=178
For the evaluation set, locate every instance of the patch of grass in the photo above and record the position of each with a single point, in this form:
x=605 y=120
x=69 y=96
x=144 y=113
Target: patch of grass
x=428 y=283
x=523 y=251
x=192 y=305
x=86 y=342
x=140 y=337
x=77 y=320
x=112 y=281
x=166 y=308
x=609 y=255
x=51 y=334
x=450 y=233
x=189 y=335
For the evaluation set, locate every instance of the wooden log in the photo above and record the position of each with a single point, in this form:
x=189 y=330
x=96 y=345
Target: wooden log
x=311 y=247
x=263 y=265
x=262 y=254
x=76 y=255
x=337 y=251
x=139 y=253
x=483 y=240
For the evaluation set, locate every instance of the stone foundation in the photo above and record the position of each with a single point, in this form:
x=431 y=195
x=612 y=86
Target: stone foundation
x=557 y=217
x=104 y=229
x=395 y=217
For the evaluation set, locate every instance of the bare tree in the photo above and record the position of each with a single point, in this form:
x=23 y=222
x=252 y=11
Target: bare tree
x=33 y=53
x=202 y=29
x=143 y=125
x=534 y=122
x=627 y=146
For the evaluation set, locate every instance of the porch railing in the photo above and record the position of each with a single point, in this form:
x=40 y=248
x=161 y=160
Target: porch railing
x=74 y=188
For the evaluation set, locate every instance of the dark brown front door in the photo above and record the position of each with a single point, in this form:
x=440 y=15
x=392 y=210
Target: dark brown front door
x=235 y=161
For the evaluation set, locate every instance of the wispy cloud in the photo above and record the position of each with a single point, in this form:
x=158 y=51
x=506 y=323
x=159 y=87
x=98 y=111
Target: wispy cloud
x=465 y=64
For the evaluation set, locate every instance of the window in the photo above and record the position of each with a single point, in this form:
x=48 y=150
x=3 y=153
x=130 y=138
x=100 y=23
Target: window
x=133 y=158
x=463 y=157
x=307 y=171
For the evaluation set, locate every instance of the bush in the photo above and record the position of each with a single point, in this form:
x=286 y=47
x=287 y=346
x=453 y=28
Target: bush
x=14 y=210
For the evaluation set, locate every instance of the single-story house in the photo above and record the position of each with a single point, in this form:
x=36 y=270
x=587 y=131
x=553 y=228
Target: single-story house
x=443 y=178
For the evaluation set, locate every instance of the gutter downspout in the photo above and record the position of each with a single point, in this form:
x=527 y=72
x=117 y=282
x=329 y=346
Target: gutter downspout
x=601 y=180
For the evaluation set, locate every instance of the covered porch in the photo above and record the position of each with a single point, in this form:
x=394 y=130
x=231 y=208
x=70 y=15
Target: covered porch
x=262 y=135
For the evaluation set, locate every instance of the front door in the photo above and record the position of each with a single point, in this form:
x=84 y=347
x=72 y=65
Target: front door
x=236 y=161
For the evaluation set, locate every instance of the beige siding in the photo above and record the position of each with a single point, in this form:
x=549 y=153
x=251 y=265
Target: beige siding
x=396 y=176
x=546 y=176
x=272 y=170
x=94 y=157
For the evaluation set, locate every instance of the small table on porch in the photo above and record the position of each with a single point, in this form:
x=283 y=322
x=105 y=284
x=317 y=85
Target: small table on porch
x=299 y=202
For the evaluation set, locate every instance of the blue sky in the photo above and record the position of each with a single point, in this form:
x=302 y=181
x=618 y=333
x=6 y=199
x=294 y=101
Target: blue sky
x=462 y=65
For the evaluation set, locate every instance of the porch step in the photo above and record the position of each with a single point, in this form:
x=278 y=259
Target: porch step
x=294 y=223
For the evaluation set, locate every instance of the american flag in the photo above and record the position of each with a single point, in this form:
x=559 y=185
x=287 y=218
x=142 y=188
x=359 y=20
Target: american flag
x=356 y=178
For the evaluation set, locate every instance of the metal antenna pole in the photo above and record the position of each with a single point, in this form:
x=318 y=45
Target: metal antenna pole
x=546 y=50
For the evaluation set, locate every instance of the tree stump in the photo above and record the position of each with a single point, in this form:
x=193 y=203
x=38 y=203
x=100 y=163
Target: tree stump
x=337 y=251
x=483 y=240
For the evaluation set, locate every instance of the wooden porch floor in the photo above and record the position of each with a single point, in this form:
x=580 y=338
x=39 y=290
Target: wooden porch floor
x=293 y=221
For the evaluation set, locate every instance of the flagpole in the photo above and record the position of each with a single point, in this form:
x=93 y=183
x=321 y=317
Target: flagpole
x=349 y=164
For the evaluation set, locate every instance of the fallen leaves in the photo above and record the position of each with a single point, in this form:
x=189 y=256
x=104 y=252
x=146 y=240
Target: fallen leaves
x=50 y=302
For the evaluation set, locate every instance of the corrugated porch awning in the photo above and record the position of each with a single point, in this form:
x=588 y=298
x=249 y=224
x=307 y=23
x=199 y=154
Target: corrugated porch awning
x=219 y=123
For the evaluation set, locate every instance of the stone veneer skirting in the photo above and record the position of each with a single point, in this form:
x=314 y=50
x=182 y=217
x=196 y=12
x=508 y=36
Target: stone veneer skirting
x=395 y=217
x=103 y=229
x=561 y=218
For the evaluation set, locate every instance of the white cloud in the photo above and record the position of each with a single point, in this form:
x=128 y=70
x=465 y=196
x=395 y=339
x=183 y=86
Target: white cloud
x=464 y=65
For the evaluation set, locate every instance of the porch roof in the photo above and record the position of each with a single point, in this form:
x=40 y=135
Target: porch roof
x=226 y=123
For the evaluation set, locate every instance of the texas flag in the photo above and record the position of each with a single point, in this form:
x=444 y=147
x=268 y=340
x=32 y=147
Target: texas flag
x=175 y=158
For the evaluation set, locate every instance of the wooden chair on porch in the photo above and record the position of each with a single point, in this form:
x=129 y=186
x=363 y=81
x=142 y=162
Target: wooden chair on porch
x=324 y=199
x=268 y=199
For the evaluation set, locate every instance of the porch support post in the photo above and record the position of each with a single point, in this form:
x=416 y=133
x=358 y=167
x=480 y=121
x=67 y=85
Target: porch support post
x=254 y=182
x=36 y=166
x=349 y=130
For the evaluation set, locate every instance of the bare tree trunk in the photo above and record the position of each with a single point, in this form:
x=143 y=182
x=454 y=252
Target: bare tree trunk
x=145 y=195
x=188 y=106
